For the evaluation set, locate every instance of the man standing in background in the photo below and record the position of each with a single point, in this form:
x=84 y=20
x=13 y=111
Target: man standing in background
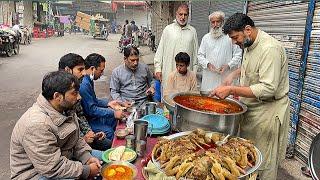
x=176 y=37
x=217 y=54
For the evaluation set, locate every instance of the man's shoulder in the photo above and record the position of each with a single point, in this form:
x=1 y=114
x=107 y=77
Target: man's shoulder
x=143 y=65
x=34 y=118
x=118 y=68
x=192 y=74
x=192 y=28
x=206 y=36
x=172 y=74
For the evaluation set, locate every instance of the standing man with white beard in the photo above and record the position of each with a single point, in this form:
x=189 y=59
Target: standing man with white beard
x=176 y=37
x=217 y=54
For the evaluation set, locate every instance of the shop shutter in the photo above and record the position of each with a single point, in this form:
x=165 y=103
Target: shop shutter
x=228 y=7
x=309 y=123
x=199 y=17
x=200 y=10
x=285 y=20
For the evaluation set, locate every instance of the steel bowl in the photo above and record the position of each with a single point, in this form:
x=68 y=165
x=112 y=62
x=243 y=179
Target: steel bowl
x=187 y=119
x=124 y=163
x=168 y=102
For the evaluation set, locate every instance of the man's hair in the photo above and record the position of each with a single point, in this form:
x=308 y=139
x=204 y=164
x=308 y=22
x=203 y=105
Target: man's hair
x=183 y=57
x=94 y=60
x=70 y=60
x=133 y=22
x=183 y=6
x=130 y=51
x=127 y=22
x=237 y=22
x=58 y=81
x=219 y=14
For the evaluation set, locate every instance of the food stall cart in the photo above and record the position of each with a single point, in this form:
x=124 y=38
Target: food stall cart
x=189 y=153
x=99 y=28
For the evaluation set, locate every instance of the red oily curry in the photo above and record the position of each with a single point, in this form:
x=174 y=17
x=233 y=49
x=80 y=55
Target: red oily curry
x=117 y=172
x=208 y=104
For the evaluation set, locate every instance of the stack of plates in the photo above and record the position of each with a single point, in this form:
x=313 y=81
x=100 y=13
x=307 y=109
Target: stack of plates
x=160 y=124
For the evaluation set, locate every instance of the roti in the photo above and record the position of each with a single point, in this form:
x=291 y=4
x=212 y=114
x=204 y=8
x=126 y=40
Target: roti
x=127 y=156
x=117 y=153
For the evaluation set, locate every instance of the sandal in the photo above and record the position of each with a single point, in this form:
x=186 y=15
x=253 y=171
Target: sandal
x=306 y=171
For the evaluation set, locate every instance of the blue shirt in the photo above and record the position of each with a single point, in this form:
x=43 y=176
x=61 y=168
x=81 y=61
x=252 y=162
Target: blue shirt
x=92 y=106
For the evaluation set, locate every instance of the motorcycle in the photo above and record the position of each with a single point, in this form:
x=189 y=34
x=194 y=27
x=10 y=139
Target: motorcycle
x=26 y=36
x=9 y=43
x=125 y=42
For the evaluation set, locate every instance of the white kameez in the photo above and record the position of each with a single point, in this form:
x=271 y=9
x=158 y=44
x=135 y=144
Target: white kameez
x=175 y=39
x=220 y=51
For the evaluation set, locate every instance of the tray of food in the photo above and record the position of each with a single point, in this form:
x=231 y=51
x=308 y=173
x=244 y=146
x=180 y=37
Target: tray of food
x=195 y=155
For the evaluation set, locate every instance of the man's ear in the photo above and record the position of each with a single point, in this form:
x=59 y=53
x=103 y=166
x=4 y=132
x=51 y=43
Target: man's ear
x=67 y=69
x=57 y=96
x=248 y=29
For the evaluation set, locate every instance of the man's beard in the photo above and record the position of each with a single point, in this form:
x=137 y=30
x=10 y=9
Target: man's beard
x=66 y=105
x=181 y=23
x=247 y=42
x=216 y=32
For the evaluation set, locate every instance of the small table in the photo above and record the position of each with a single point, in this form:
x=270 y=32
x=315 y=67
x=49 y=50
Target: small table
x=151 y=141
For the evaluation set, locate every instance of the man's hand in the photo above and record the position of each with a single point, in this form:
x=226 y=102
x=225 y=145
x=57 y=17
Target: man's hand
x=89 y=137
x=224 y=68
x=100 y=135
x=119 y=114
x=228 y=80
x=114 y=104
x=126 y=104
x=221 y=92
x=159 y=76
x=95 y=166
x=150 y=91
x=212 y=68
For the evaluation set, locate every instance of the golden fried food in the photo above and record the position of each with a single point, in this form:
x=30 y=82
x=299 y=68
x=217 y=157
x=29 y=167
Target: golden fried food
x=196 y=156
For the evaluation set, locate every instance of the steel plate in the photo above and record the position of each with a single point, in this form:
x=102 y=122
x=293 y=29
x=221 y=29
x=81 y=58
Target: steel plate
x=314 y=158
x=248 y=171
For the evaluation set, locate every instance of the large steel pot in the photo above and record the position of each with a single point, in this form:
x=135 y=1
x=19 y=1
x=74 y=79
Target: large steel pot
x=186 y=119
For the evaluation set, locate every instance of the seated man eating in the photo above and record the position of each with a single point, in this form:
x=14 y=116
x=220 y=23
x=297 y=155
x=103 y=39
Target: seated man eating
x=99 y=113
x=45 y=142
x=131 y=81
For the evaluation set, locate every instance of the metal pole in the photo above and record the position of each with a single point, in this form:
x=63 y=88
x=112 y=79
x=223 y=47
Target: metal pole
x=302 y=73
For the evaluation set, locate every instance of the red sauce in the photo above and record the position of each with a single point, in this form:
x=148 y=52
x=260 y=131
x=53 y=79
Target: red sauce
x=208 y=104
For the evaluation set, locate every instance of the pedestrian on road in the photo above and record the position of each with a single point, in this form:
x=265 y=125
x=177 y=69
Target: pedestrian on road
x=128 y=30
x=217 y=54
x=264 y=86
x=176 y=37
x=45 y=142
x=100 y=113
x=74 y=64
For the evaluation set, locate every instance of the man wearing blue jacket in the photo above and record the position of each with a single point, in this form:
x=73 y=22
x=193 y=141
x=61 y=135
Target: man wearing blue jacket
x=100 y=113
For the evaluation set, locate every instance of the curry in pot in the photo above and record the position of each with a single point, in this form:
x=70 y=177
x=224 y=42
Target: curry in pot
x=208 y=104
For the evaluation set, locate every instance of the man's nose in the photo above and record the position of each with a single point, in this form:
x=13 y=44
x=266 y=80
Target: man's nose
x=78 y=97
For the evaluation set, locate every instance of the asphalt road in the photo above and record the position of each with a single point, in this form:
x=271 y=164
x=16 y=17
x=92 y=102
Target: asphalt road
x=21 y=77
